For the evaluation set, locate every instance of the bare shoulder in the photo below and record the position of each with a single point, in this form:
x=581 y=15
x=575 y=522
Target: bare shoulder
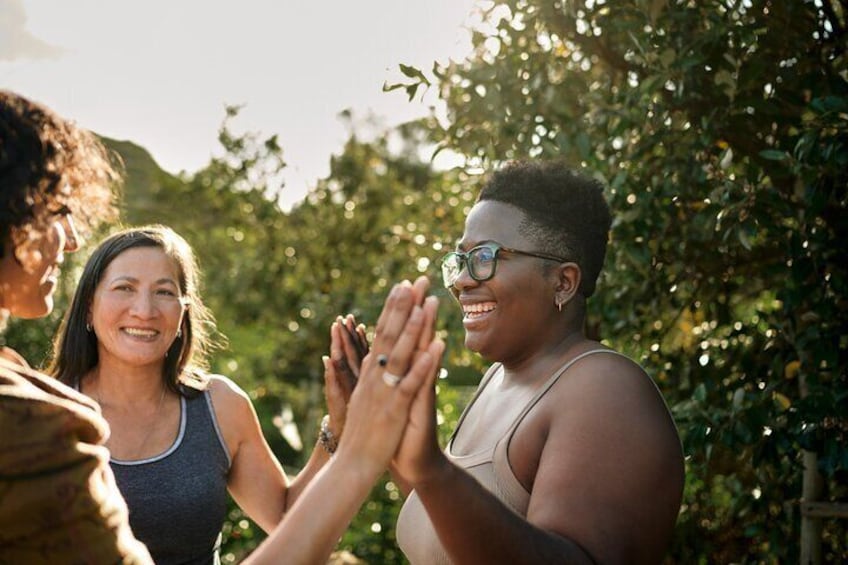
x=610 y=445
x=232 y=404
x=224 y=386
x=608 y=395
x=612 y=381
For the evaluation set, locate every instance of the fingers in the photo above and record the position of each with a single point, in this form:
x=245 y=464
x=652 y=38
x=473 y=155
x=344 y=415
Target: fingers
x=364 y=346
x=343 y=372
x=399 y=356
x=422 y=373
x=335 y=396
x=405 y=328
x=424 y=370
x=354 y=342
x=420 y=288
x=396 y=311
x=430 y=307
x=330 y=382
x=380 y=407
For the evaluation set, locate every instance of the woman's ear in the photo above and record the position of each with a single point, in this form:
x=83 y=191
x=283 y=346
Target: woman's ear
x=568 y=282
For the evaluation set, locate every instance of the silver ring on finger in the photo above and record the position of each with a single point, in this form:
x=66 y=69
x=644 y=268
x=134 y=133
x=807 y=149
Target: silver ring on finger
x=391 y=379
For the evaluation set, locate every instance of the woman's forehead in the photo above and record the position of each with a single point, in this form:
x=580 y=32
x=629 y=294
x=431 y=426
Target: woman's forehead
x=490 y=220
x=144 y=260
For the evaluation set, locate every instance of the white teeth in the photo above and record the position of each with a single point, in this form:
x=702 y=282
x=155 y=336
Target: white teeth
x=478 y=308
x=140 y=333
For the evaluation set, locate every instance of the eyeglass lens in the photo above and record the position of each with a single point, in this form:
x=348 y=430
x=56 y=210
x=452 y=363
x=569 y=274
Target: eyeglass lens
x=480 y=261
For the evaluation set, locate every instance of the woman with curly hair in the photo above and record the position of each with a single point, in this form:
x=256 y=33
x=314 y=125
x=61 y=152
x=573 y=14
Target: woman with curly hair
x=58 y=499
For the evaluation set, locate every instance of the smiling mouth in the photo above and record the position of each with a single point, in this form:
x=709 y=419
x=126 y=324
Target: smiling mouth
x=138 y=332
x=472 y=311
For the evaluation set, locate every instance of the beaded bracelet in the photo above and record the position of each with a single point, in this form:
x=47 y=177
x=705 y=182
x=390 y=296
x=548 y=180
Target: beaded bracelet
x=325 y=436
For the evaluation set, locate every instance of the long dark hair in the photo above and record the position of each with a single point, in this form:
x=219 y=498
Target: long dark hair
x=75 y=347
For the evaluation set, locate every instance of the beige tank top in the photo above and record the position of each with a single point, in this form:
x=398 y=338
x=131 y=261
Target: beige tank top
x=490 y=467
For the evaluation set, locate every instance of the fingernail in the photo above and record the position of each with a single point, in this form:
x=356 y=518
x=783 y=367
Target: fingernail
x=325 y=360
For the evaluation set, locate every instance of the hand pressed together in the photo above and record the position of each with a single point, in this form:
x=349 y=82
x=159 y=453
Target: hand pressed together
x=378 y=413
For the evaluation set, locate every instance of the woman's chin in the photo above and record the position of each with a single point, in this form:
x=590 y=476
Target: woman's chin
x=34 y=311
x=475 y=344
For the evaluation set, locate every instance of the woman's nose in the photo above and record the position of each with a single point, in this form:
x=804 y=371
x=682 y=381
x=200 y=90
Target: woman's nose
x=72 y=236
x=463 y=280
x=143 y=305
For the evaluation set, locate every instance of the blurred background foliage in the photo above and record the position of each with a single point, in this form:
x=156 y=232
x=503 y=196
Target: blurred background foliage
x=721 y=131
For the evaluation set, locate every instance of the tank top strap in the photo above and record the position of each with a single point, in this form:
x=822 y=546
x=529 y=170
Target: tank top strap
x=487 y=376
x=508 y=482
x=551 y=382
x=210 y=413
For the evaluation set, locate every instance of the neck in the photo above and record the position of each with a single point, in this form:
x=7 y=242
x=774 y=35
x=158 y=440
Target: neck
x=124 y=388
x=544 y=359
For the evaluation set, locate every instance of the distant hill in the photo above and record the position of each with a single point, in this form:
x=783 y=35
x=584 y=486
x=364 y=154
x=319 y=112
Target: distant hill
x=144 y=181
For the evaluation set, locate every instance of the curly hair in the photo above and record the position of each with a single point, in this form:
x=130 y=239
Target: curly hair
x=48 y=165
x=566 y=213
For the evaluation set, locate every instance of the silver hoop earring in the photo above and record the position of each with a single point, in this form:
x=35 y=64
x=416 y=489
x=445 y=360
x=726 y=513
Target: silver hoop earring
x=558 y=303
x=88 y=327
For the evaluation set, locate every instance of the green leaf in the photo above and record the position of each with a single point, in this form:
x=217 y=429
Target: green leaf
x=774 y=154
x=413 y=72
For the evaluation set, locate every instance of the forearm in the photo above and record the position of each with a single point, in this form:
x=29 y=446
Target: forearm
x=313 y=526
x=317 y=460
x=474 y=526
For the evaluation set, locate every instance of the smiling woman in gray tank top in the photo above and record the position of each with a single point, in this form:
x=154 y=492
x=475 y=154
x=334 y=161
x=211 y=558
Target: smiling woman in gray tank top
x=135 y=340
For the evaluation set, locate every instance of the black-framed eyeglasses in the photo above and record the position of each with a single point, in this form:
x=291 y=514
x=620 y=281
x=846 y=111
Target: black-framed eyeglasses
x=482 y=261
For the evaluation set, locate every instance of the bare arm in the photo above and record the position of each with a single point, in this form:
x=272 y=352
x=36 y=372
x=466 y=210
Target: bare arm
x=376 y=418
x=603 y=465
x=348 y=347
x=256 y=480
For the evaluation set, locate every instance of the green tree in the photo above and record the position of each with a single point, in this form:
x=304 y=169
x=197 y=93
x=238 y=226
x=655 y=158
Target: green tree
x=277 y=280
x=721 y=130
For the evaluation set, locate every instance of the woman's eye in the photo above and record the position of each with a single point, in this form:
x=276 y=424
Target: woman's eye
x=62 y=210
x=165 y=292
x=485 y=255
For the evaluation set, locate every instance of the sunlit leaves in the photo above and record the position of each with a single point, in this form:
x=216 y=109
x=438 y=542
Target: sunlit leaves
x=720 y=129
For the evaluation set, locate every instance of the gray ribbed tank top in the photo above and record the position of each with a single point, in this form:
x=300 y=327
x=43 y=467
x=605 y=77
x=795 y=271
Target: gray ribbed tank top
x=178 y=499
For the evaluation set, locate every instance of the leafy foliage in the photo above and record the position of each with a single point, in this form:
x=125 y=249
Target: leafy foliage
x=722 y=132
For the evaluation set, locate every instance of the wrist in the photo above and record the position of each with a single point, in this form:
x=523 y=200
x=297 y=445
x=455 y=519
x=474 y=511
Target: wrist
x=328 y=440
x=434 y=475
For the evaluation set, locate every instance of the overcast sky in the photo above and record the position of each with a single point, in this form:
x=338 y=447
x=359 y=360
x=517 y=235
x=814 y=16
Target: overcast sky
x=159 y=72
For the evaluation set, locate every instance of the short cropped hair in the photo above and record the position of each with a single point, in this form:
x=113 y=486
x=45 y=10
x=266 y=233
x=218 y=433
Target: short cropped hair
x=566 y=213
